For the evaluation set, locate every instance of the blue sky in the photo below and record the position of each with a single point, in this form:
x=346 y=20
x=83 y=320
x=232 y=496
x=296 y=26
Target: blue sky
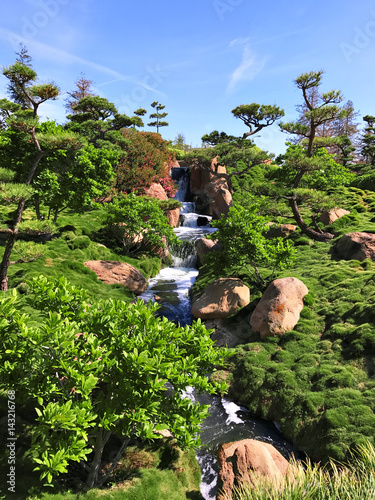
x=199 y=58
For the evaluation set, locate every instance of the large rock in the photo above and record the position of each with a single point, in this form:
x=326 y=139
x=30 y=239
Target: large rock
x=221 y=299
x=211 y=191
x=358 y=246
x=279 y=308
x=241 y=461
x=329 y=216
x=217 y=190
x=173 y=216
x=156 y=191
x=113 y=272
x=204 y=247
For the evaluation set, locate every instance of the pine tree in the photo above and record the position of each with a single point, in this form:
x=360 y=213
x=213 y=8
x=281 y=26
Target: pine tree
x=158 y=116
x=83 y=89
x=368 y=140
x=317 y=110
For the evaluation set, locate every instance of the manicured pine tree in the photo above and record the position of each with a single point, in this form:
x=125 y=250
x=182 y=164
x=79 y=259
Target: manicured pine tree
x=158 y=117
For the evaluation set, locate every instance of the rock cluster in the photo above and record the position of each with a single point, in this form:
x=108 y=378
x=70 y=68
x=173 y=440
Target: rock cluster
x=211 y=190
x=327 y=217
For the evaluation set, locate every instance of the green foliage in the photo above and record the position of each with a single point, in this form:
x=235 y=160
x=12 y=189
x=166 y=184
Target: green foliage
x=74 y=182
x=27 y=251
x=257 y=116
x=244 y=245
x=36 y=227
x=368 y=140
x=318 y=108
x=98 y=119
x=321 y=172
x=94 y=368
x=138 y=222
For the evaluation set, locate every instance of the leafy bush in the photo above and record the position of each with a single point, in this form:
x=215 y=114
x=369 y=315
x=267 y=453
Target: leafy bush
x=244 y=245
x=138 y=222
x=94 y=368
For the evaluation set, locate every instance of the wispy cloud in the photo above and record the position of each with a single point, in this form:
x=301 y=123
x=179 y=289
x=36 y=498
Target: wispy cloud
x=250 y=65
x=45 y=51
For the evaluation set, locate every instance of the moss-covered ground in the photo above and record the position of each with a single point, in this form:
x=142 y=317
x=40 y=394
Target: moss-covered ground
x=75 y=239
x=317 y=381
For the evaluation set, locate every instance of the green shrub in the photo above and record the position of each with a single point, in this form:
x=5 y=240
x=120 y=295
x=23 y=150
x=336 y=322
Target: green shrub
x=79 y=242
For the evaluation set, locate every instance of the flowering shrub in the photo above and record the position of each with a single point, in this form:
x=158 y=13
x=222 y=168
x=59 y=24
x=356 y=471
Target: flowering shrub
x=169 y=185
x=146 y=160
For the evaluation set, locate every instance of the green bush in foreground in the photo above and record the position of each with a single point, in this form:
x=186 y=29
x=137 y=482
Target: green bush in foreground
x=353 y=481
x=96 y=368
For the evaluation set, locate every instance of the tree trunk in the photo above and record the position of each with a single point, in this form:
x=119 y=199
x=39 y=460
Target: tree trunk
x=311 y=233
x=101 y=441
x=5 y=263
x=37 y=207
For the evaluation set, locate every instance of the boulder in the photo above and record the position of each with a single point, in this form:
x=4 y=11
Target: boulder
x=221 y=299
x=156 y=191
x=279 y=230
x=278 y=310
x=205 y=246
x=329 y=216
x=358 y=246
x=113 y=272
x=212 y=193
x=217 y=190
x=173 y=216
x=199 y=177
x=203 y=220
x=242 y=461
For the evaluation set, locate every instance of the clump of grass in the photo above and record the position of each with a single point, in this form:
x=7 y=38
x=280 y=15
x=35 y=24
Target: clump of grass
x=352 y=481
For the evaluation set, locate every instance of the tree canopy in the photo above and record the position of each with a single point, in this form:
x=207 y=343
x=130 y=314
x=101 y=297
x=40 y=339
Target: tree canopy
x=257 y=116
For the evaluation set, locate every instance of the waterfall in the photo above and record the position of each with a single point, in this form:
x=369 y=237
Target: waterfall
x=182 y=176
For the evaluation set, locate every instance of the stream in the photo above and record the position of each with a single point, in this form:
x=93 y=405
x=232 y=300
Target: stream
x=227 y=421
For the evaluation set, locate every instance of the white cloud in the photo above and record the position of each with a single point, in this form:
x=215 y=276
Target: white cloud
x=250 y=65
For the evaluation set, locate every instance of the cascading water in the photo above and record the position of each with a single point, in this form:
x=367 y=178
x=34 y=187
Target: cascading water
x=227 y=421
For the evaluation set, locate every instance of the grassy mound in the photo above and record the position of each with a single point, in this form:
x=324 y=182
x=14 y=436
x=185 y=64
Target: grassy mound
x=316 y=381
x=76 y=239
